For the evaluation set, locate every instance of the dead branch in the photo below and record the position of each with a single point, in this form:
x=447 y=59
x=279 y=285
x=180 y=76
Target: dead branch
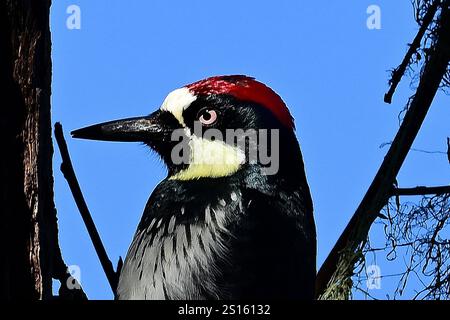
x=420 y=191
x=69 y=174
x=380 y=189
x=398 y=72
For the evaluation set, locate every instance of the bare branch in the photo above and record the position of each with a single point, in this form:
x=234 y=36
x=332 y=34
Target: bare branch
x=69 y=174
x=379 y=191
x=398 y=73
x=420 y=191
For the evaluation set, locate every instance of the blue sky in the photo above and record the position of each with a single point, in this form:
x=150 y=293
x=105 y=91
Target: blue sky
x=330 y=69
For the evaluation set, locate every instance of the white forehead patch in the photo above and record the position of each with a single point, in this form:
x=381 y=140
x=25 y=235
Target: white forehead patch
x=177 y=101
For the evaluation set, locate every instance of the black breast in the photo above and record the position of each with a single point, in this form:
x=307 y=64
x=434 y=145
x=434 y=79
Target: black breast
x=220 y=240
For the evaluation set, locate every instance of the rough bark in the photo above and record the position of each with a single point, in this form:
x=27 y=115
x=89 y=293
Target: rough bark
x=28 y=230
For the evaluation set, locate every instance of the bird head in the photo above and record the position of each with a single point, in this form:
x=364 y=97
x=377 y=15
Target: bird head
x=209 y=129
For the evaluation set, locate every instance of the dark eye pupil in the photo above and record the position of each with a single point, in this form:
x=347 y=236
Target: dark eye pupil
x=206 y=115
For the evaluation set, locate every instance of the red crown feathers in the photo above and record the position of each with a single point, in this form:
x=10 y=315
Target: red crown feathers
x=246 y=89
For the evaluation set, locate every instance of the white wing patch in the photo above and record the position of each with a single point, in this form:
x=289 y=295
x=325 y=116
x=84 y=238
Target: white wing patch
x=177 y=101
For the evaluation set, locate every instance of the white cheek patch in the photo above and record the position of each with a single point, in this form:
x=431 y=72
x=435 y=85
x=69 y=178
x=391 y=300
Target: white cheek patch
x=177 y=101
x=210 y=159
x=207 y=158
x=215 y=153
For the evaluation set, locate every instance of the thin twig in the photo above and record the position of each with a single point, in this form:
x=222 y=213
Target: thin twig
x=417 y=150
x=448 y=149
x=69 y=174
x=398 y=73
x=420 y=191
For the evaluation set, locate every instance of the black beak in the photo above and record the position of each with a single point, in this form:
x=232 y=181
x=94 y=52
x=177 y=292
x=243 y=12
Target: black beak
x=139 y=129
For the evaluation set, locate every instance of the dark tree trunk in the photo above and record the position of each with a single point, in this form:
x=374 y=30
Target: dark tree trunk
x=28 y=229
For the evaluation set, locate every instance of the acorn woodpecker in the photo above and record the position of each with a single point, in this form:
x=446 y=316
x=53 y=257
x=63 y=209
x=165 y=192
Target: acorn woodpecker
x=229 y=221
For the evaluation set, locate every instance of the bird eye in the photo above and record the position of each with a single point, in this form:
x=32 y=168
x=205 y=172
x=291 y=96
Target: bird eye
x=207 y=116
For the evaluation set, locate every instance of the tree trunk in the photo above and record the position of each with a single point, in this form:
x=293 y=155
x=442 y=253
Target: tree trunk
x=28 y=231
